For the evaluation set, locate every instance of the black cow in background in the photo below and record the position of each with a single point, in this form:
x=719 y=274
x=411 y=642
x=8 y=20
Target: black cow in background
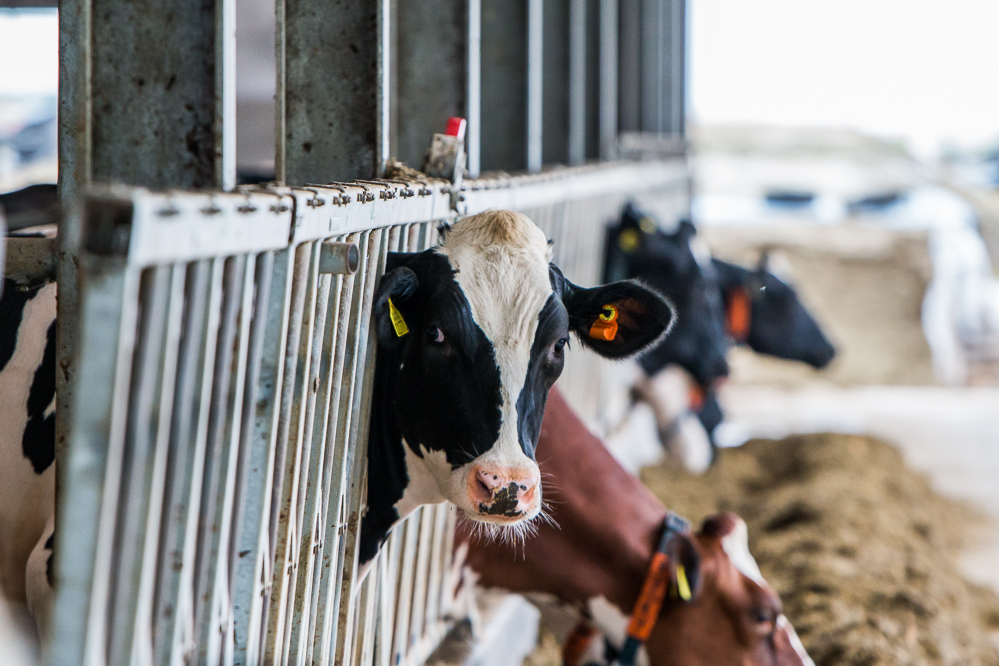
x=674 y=265
x=717 y=304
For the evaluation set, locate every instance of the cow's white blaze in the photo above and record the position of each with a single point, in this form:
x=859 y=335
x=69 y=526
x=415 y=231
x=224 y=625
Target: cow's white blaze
x=783 y=624
x=736 y=546
x=501 y=263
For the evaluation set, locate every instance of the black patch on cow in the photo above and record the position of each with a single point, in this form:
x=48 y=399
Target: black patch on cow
x=38 y=442
x=50 y=546
x=547 y=359
x=504 y=502
x=15 y=297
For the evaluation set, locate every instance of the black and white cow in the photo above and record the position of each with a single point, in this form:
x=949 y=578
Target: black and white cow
x=27 y=444
x=718 y=303
x=459 y=398
x=679 y=267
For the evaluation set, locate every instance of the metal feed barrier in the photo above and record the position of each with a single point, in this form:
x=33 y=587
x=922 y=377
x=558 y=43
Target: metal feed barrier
x=214 y=478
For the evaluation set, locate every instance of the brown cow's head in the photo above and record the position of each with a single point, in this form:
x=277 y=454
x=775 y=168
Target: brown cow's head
x=735 y=617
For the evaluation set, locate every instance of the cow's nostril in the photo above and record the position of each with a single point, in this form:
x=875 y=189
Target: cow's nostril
x=486 y=491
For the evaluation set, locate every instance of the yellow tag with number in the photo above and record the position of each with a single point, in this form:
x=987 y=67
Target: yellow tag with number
x=398 y=323
x=682 y=586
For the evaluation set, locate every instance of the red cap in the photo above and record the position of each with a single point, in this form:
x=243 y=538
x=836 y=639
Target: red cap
x=456 y=127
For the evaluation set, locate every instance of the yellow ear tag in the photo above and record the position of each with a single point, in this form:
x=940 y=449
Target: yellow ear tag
x=605 y=326
x=682 y=586
x=628 y=241
x=398 y=323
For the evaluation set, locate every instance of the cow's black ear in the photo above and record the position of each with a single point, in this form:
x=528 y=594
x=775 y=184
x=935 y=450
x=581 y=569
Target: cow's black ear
x=618 y=319
x=398 y=284
x=684 y=567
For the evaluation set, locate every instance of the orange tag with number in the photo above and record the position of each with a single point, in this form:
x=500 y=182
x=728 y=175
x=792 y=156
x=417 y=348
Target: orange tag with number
x=605 y=327
x=650 y=599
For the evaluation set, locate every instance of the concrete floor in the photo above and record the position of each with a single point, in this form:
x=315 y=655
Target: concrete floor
x=951 y=434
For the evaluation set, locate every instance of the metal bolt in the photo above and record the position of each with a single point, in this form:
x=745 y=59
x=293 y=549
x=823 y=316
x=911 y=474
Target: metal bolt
x=339 y=258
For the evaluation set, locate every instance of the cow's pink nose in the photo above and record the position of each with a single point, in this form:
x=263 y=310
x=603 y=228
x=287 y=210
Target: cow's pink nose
x=500 y=490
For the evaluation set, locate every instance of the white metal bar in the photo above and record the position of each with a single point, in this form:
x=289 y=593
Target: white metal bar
x=473 y=89
x=522 y=192
x=577 y=82
x=535 y=67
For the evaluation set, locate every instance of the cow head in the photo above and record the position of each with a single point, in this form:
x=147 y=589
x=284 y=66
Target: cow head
x=735 y=616
x=775 y=321
x=464 y=381
x=679 y=267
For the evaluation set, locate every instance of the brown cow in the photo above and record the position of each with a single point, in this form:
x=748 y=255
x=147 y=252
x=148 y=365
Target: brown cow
x=609 y=528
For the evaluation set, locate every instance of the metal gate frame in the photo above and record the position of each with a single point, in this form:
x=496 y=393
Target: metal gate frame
x=215 y=475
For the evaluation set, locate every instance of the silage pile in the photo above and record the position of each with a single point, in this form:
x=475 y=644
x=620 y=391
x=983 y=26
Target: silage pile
x=859 y=547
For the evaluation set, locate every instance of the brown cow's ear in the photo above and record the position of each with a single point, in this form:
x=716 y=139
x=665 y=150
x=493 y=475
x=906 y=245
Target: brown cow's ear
x=616 y=320
x=684 y=567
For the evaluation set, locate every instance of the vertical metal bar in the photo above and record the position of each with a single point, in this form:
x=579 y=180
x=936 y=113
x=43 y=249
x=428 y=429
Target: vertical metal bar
x=608 y=79
x=146 y=455
x=651 y=68
x=285 y=557
x=143 y=394
x=253 y=564
x=335 y=123
x=357 y=444
x=74 y=174
x=676 y=89
x=183 y=640
x=183 y=431
x=93 y=463
x=329 y=557
x=225 y=93
x=432 y=72
x=630 y=65
x=212 y=623
x=473 y=88
x=312 y=487
x=555 y=100
x=535 y=90
x=577 y=81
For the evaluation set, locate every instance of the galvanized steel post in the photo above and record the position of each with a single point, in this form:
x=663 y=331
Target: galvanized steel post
x=332 y=92
x=432 y=76
x=504 y=85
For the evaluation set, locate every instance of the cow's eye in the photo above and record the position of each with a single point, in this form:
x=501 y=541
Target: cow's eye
x=763 y=620
x=435 y=335
x=559 y=348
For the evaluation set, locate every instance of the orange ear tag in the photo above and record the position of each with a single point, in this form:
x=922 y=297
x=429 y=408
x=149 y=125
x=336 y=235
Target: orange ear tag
x=605 y=326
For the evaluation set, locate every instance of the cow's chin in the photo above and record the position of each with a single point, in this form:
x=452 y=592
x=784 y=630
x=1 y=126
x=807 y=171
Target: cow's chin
x=512 y=531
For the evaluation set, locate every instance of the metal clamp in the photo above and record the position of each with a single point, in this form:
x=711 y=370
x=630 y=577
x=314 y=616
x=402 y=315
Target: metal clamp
x=339 y=258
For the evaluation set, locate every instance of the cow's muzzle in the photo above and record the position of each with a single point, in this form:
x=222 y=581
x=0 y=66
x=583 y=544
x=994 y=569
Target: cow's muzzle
x=500 y=493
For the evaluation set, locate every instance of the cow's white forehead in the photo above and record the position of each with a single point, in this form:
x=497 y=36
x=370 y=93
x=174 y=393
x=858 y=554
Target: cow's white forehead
x=501 y=264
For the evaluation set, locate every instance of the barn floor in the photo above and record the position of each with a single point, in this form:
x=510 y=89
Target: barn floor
x=951 y=434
